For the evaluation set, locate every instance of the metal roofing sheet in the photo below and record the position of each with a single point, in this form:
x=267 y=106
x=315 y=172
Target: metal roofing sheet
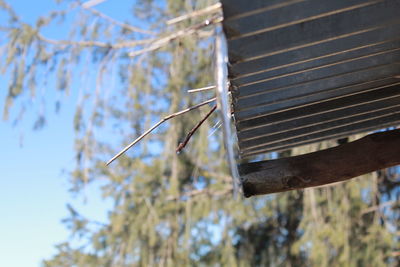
x=304 y=71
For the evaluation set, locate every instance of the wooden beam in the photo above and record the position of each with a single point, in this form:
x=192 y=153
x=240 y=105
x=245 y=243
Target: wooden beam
x=370 y=153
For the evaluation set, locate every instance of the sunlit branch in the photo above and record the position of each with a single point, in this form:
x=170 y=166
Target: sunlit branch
x=173 y=36
x=92 y=3
x=116 y=22
x=210 y=9
x=377 y=207
x=216 y=175
x=206 y=88
x=158 y=124
x=205 y=191
x=201 y=89
x=121 y=45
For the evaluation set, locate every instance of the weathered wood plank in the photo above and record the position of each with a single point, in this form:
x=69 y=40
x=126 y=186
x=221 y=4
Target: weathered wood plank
x=370 y=153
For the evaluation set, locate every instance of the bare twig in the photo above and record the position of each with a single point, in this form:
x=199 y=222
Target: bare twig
x=116 y=22
x=92 y=3
x=215 y=175
x=377 y=207
x=210 y=9
x=206 y=88
x=173 y=36
x=94 y=43
x=194 y=129
x=204 y=34
x=151 y=208
x=205 y=191
x=201 y=89
x=158 y=124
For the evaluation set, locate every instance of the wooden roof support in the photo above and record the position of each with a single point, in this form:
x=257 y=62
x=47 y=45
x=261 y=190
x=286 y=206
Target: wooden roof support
x=370 y=153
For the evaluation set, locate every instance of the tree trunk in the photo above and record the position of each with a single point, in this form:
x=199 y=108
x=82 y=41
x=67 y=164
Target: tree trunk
x=370 y=153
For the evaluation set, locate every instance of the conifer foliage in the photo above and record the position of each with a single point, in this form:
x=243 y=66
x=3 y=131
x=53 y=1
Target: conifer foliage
x=175 y=209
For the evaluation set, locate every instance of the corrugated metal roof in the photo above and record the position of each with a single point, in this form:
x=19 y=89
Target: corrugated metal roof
x=304 y=71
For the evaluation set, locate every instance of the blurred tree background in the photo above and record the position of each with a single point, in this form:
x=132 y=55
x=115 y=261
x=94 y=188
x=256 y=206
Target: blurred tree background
x=176 y=209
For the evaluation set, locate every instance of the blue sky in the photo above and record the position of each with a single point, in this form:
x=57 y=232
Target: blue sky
x=33 y=190
x=33 y=166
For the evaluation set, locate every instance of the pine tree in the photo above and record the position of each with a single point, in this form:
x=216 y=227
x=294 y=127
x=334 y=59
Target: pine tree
x=170 y=209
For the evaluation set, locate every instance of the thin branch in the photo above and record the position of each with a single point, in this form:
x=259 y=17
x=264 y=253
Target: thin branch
x=94 y=43
x=205 y=191
x=92 y=3
x=194 y=129
x=210 y=9
x=216 y=175
x=206 y=88
x=153 y=212
x=6 y=29
x=158 y=124
x=202 y=89
x=377 y=207
x=116 y=22
x=173 y=36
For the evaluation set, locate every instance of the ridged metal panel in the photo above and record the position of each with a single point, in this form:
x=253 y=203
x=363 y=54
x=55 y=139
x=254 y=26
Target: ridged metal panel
x=305 y=71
